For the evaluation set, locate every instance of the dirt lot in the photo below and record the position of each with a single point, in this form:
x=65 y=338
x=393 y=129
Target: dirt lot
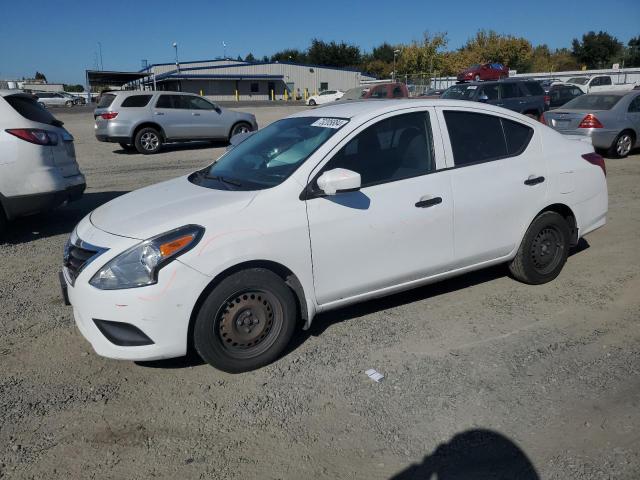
x=474 y=366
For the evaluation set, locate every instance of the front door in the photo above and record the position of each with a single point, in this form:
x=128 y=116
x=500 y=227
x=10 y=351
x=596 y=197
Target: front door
x=398 y=226
x=205 y=117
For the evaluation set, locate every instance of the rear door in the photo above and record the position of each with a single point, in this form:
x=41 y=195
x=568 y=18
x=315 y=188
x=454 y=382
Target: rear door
x=498 y=181
x=633 y=113
x=512 y=97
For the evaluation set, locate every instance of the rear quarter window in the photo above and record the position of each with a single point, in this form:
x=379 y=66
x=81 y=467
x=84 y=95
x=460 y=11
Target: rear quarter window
x=106 y=100
x=136 y=101
x=29 y=109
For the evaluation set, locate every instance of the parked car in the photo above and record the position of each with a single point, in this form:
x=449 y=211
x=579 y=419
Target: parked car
x=561 y=93
x=77 y=99
x=547 y=83
x=38 y=168
x=54 y=99
x=610 y=119
x=485 y=71
x=380 y=90
x=322 y=209
x=144 y=121
x=432 y=93
x=522 y=96
x=599 y=83
x=325 y=97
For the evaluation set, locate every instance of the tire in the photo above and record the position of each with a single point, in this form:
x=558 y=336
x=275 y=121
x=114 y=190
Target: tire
x=476 y=78
x=42 y=105
x=621 y=146
x=127 y=147
x=240 y=127
x=312 y=103
x=538 y=260
x=3 y=223
x=257 y=296
x=68 y=103
x=148 y=141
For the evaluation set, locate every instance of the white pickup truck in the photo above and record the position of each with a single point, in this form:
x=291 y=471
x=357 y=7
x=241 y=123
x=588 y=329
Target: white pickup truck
x=598 y=83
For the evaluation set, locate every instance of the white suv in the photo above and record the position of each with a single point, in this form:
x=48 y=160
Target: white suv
x=38 y=168
x=325 y=208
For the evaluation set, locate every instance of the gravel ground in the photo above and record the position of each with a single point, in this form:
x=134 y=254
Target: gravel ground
x=480 y=370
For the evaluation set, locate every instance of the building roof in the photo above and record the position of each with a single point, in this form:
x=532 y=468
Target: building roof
x=102 y=77
x=235 y=76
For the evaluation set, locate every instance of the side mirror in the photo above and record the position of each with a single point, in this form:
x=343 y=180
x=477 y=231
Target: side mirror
x=339 y=180
x=483 y=98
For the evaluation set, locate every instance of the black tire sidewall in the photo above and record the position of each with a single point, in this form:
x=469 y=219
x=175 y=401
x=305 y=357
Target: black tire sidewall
x=613 y=150
x=205 y=338
x=236 y=125
x=542 y=221
x=138 y=143
x=312 y=103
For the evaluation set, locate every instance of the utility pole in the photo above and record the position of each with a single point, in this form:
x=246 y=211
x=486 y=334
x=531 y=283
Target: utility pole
x=175 y=46
x=393 y=74
x=100 y=50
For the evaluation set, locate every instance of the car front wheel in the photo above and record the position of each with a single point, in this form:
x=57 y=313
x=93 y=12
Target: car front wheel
x=543 y=251
x=148 y=141
x=246 y=321
x=241 y=127
x=312 y=103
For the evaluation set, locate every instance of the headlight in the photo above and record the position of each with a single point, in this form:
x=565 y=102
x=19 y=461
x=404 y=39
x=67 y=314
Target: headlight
x=139 y=266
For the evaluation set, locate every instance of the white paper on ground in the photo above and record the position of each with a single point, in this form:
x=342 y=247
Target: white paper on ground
x=374 y=375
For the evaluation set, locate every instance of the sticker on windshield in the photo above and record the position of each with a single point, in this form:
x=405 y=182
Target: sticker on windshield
x=329 y=122
x=472 y=87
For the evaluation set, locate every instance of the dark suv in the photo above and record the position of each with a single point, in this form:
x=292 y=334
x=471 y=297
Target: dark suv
x=522 y=96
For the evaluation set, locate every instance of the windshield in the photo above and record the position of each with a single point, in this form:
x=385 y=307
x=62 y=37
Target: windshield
x=355 y=93
x=578 y=80
x=267 y=158
x=460 y=92
x=593 y=102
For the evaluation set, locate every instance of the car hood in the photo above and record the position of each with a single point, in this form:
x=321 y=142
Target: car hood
x=162 y=207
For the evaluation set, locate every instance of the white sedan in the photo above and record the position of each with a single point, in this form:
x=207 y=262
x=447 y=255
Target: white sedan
x=325 y=97
x=323 y=209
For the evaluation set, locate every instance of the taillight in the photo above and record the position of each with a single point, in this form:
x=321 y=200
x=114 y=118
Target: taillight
x=596 y=159
x=542 y=119
x=34 y=135
x=590 y=121
x=109 y=115
x=547 y=100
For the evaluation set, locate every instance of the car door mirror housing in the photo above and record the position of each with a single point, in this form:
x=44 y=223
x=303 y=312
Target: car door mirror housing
x=339 y=180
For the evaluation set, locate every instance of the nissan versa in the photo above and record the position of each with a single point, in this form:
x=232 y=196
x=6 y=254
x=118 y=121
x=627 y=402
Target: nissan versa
x=322 y=209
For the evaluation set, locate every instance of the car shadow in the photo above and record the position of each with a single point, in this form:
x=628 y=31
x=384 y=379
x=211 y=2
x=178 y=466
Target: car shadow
x=176 y=147
x=477 y=454
x=57 y=221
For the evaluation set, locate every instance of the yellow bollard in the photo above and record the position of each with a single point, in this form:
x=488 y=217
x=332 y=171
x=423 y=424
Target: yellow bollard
x=201 y=93
x=285 y=94
x=237 y=96
x=305 y=94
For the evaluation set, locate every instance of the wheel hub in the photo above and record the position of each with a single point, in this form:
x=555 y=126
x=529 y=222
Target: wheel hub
x=246 y=320
x=546 y=249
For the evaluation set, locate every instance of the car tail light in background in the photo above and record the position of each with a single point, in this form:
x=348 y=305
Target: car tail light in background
x=542 y=119
x=590 y=121
x=596 y=159
x=34 y=135
x=109 y=115
x=547 y=100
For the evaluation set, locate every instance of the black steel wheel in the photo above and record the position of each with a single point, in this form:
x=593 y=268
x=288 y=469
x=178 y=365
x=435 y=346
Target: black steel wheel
x=246 y=321
x=543 y=251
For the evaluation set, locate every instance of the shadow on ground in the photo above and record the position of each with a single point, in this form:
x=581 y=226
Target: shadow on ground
x=473 y=455
x=61 y=220
x=176 y=147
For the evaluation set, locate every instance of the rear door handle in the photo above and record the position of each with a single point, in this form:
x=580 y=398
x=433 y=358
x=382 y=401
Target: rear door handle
x=428 y=202
x=158 y=113
x=533 y=180
x=195 y=114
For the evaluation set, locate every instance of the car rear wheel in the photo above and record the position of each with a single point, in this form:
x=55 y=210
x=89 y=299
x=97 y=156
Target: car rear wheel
x=246 y=321
x=240 y=127
x=148 y=141
x=312 y=103
x=477 y=78
x=621 y=145
x=68 y=103
x=543 y=251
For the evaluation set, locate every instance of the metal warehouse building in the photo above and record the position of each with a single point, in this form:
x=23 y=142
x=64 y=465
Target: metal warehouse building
x=230 y=79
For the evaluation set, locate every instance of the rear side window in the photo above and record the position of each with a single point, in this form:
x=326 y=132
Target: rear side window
x=106 y=100
x=510 y=90
x=476 y=137
x=534 y=88
x=136 y=101
x=605 y=80
x=490 y=91
x=29 y=109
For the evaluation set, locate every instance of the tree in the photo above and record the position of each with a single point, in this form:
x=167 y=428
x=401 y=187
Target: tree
x=289 y=55
x=596 y=50
x=489 y=46
x=333 y=54
x=239 y=58
x=250 y=58
x=40 y=76
x=424 y=56
x=383 y=53
x=265 y=59
x=73 y=88
x=631 y=55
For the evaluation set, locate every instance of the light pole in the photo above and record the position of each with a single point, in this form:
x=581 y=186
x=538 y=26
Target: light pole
x=393 y=74
x=100 y=49
x=175 y=46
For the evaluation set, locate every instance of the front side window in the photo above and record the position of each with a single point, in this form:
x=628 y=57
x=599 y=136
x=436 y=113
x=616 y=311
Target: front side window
x=476 y=137
x=196 y=103
x=168 y=101
x=490 y=91
x=392 y=149
x=379 y=92
x=269 y=156
x=605 y=80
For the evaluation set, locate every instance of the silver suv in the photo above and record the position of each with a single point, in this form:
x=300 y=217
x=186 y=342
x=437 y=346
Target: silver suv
x=145 y=120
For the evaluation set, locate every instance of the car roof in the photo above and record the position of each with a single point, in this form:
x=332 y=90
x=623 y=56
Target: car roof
x=19 y=93
x=371 y=107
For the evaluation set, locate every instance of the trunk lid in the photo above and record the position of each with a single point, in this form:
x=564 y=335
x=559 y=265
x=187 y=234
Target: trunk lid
x=64 y=154
x=566 y=119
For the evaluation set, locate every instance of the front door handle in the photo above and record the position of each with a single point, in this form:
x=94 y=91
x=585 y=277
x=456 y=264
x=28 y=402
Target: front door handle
x=195 y=114
x=533 y=180
x=429 y=202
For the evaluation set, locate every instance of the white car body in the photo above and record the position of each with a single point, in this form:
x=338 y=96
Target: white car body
x=327 y=96
x=337 y=254
x=599 y=83
x=34 y=177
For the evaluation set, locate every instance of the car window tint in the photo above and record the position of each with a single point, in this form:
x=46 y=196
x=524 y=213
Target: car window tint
x=634 y=106
x=605 y=80
x=105 y=100
x=195 y=103
x=534 y=88
x=379 y=92
x=29 y=109
x=594 y=101
x=460 y=92
x=510 y=90
x=168 y=101
x=136 y=101
x=397 y=92
x=517 y=135
x=491 y=91
x=474 y=137
x=392 y=149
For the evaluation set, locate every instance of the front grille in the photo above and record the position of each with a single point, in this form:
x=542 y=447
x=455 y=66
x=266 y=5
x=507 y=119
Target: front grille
x=77 y=255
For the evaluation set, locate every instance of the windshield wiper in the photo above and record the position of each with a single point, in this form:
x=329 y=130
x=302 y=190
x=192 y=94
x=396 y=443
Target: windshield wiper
x=222 y=179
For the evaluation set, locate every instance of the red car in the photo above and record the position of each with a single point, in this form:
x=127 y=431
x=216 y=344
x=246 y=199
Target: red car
x=486 y=71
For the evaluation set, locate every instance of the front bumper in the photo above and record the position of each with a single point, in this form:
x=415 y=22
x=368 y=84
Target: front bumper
x=160 y=312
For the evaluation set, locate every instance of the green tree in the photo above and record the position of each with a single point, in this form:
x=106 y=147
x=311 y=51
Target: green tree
x=631 y=55
x=596 y=50
x=250 y=58
x=333 y=54
x=289 y=55
x=73 y=88
x=40 y=76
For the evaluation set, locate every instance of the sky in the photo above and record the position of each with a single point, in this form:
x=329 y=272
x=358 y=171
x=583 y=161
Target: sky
x=61 y=38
